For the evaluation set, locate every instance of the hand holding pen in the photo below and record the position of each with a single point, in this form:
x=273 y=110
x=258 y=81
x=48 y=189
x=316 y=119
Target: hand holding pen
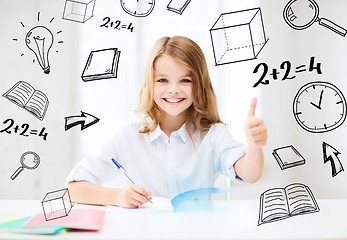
x=134 y=195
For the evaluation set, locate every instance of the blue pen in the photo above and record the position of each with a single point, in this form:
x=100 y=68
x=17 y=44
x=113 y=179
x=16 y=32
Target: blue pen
x=124 y=172
x=122 y=169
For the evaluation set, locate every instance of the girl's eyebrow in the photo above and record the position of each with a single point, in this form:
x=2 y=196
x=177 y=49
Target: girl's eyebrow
x=160 y=74
x=164 y=75
x=187 y=75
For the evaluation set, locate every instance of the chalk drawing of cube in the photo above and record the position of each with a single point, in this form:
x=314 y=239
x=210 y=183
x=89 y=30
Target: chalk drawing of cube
x=57 y=204
x=78 y=10
x=238 y=36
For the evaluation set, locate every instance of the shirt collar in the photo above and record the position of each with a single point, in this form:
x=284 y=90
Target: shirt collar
x=182 y=133
x=155 y=133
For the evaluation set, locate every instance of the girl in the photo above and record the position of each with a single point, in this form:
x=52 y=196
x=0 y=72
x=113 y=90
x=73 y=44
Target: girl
x=180 y=145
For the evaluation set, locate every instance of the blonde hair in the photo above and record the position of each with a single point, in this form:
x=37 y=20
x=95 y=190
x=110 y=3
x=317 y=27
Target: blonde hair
x=203 y=113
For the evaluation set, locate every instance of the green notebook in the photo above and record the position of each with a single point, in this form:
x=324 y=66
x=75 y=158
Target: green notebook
x=16 y=226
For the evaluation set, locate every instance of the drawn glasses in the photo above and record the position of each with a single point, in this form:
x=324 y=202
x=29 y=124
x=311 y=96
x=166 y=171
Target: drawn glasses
x=301 y=14
x=28 y=160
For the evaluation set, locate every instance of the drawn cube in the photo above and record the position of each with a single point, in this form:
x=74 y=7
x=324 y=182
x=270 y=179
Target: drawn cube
x=56 y=204
x=78 y=10
x=238 y=36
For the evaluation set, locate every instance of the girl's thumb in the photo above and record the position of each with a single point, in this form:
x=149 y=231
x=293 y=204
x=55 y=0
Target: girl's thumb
x=252 y=108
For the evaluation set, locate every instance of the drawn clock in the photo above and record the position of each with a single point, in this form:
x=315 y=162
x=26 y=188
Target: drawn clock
x=138 y=8
x=319 y=107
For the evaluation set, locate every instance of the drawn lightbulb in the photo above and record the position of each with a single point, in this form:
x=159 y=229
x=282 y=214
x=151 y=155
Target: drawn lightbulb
x=40 y=40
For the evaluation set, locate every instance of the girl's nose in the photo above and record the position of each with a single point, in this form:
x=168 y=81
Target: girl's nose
x=174 y=89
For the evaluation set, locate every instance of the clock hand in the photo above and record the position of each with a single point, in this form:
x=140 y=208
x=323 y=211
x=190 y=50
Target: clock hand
x=320 y=101
x=316 y=106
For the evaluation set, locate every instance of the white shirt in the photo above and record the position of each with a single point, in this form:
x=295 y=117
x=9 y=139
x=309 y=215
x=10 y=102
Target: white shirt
x=166 y=168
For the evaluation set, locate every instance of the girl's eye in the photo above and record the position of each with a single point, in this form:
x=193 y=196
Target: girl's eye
x=162 y=80
x=186 y=80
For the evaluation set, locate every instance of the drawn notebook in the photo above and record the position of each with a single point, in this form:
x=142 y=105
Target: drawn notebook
x=101 y=64
x=288 y=157
x=178 y=6
x=25 y=96
x=281 y=203
x=80 y=218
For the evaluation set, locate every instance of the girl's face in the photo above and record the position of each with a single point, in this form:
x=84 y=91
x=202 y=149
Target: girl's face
x=172 y=86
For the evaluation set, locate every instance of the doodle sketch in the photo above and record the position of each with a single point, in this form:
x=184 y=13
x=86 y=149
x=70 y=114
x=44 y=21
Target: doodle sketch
x=238 y=36
x=22 y=130
x=178 y=6
x=57 y=204
x=138 y=8
x=330 y=154
x=25 y=96
x=78 y=10
x=101 y=64
x=39 y=40
x=288 y=157
x=280 y=203
x=284 y=71
x=84 y=119
x=28 y=160
x=319 y=107
x=301 y=14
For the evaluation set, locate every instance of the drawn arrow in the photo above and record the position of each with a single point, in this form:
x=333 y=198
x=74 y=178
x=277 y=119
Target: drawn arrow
x=85 y=119
x=330 y=154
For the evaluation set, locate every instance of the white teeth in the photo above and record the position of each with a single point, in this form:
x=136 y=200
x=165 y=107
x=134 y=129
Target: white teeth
x=174 y=100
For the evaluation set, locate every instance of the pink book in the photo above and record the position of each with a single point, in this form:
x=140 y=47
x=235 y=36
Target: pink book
x=80 y=218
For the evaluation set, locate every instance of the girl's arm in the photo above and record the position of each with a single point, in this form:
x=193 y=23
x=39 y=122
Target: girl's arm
x=250 y=167
x=89 y=193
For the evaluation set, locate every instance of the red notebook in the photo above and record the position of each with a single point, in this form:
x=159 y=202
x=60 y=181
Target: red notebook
x=80 y=218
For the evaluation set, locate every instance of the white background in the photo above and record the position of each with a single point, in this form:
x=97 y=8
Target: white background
x=114 y=100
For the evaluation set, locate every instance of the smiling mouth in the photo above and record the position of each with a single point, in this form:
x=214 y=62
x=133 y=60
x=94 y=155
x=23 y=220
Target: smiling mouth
x=174 y=100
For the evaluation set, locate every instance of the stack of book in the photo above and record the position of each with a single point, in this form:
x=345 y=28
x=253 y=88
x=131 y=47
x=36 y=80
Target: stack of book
x=79 y=219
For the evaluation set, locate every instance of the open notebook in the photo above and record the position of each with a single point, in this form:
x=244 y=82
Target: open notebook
x=161 y=204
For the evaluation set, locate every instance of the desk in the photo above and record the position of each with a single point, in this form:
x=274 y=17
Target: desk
x=235 y=219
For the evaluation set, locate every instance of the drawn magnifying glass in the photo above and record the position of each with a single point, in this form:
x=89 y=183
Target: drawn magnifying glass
x=301 y=14
x=28 y=160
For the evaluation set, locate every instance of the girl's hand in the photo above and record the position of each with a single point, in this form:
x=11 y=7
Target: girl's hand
x=255 y=128
x=133 y=196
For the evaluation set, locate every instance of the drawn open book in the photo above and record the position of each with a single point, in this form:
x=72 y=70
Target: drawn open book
x=281 y=203
x=25 y=96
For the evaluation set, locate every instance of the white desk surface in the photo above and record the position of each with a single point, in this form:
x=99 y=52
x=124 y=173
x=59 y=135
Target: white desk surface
x=234 y=219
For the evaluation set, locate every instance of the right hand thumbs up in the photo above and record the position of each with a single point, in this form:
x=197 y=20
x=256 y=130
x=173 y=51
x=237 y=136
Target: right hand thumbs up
x=255 y=128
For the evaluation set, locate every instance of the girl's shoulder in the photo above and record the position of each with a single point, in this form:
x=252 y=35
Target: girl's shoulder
x=218 y=130
x=219 y=126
